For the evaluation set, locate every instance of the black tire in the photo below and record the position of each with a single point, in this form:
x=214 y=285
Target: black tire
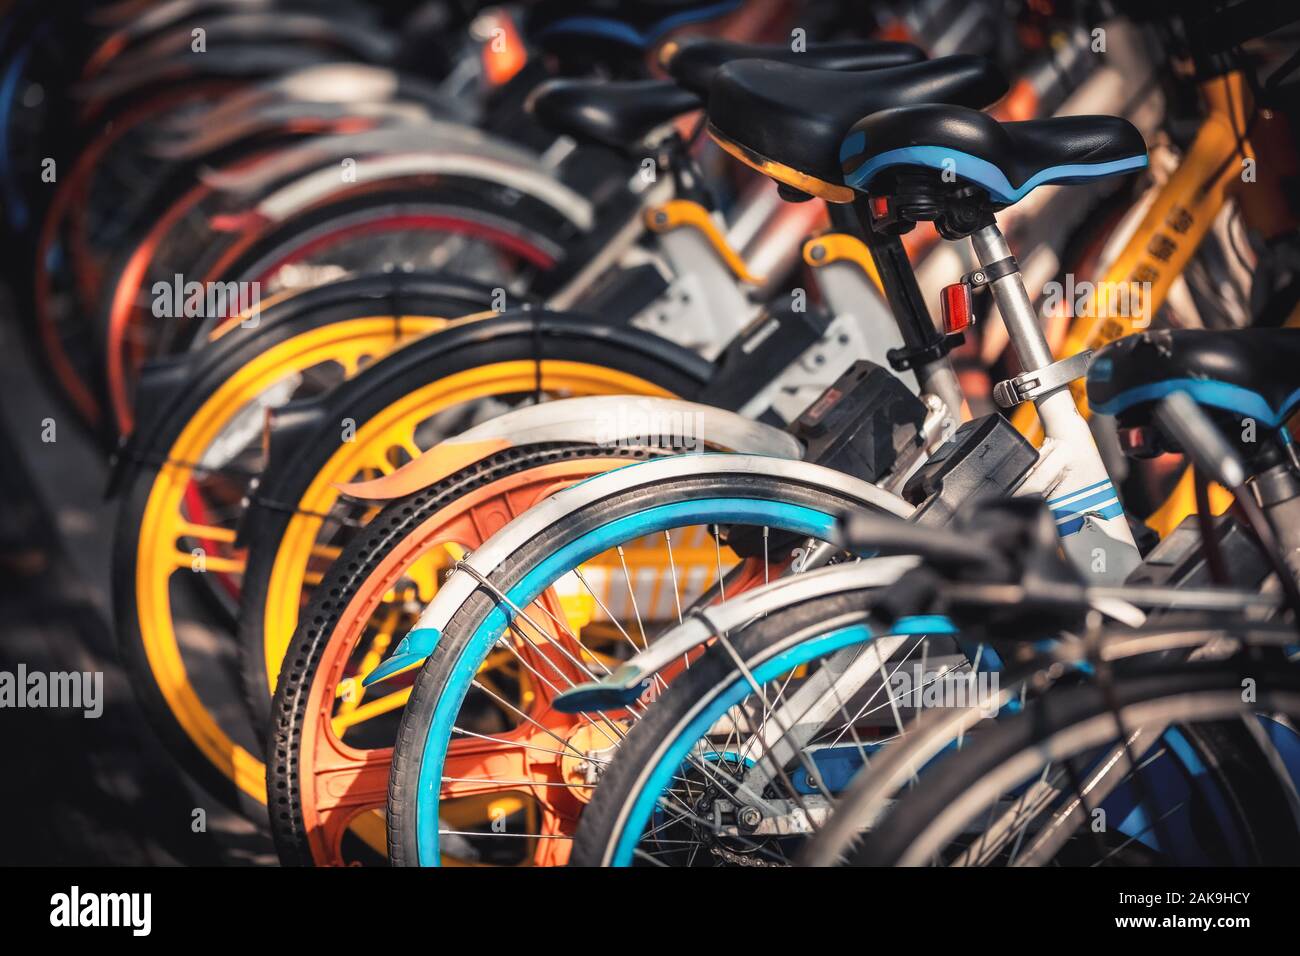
x=530 y=222
x=347 y=576
x=179 y=388
x=1255 y=795
x=527 y=334
x=714 y=671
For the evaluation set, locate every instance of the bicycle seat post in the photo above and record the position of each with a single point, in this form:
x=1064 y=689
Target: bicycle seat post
x=925 y=350
x=1042 y=379
x=1013 y=301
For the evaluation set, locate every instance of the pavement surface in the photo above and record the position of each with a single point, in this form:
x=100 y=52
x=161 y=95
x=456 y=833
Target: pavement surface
x=78 y=790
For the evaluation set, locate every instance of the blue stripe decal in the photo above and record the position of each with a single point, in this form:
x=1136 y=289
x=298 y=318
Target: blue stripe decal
x=774 y=514
x=1070 y=527
x=923 y=624
x=1083 y=504
x=985 y=173
x=618 y=30
x=853 y=144
x=1232 y=398
x=1077 y=491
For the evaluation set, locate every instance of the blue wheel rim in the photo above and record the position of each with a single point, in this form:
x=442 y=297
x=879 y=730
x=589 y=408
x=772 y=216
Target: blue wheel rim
x=777 y=515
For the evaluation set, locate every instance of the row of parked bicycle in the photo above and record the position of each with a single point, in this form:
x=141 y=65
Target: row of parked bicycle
x=539 y=410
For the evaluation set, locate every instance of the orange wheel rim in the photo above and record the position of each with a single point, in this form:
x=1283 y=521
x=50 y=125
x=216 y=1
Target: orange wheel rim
x=341 y=786
x=338 y=782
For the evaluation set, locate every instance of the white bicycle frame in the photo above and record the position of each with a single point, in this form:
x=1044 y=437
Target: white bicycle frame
x=1070 y=473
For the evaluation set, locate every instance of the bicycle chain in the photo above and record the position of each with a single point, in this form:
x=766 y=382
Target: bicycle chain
x=739 y=859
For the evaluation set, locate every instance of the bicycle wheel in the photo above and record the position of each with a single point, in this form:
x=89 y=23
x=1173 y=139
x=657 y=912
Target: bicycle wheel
x=1182 y=766
x=456 y=229
x=183 y=477
x=326 y=728
x=938 y=733
x=745 y=754
x=620 y=541
x=399 y=408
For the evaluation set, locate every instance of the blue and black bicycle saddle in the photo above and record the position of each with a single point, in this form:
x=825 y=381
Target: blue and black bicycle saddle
x=1006 y=159
x=1251 y=373
x=639 y=24
x=789 y=120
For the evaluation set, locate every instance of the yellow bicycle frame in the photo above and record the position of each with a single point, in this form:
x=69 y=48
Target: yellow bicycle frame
x=1157 y=253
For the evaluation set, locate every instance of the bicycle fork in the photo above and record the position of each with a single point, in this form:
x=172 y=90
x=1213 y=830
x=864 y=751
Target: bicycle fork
x=1070 y=473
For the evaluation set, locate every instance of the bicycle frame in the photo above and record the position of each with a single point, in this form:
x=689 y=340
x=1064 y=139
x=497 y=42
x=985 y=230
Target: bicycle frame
x=1070 y=474
x=1181 y=214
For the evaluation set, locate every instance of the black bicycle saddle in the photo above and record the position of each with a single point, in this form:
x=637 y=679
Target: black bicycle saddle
x=788 y=121
x=1250 y=373
x=1006 y=159
x=693 y=61
x=616 y=113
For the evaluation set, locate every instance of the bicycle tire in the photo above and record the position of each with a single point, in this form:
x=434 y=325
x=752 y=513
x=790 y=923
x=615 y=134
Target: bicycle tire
x=531 y=336
x=461 y=642
x=326 y=313
x=1216 y=689
x=639 y=753
x=350 y=578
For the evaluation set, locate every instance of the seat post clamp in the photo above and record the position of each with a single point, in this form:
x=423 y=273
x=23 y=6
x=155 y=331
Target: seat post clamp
x=1030 y=385
x=985 y=275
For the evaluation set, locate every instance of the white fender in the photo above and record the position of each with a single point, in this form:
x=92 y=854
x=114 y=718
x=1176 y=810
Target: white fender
x=606 y=420
x=485 y=560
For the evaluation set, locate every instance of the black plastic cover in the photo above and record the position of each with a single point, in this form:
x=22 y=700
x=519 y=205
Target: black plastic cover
x=986 y=458
x=862 y=423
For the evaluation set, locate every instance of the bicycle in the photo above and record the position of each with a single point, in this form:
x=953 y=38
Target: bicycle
x=654 y=783
x=263 y=630
x=555 y=352
x=780 y=138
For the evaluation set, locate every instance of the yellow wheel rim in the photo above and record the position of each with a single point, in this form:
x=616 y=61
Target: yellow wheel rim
x=163 y=525
x=394 y=427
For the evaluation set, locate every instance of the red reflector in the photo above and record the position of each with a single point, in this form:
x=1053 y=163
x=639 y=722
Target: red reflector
x=955 y=300
x=1139 y=442
x=879 y=207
